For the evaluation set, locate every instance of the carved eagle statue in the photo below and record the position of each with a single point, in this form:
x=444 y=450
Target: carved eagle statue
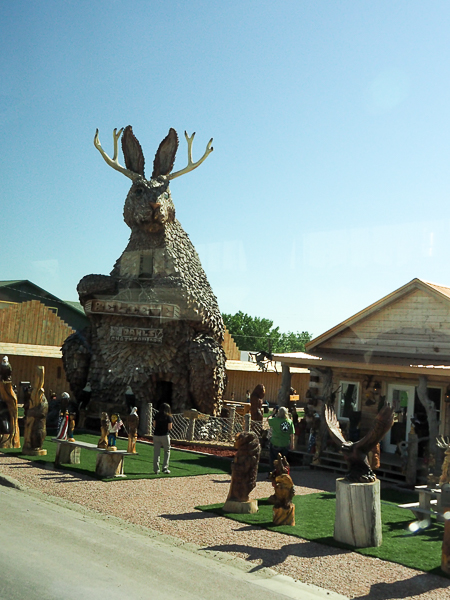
x=5 y=369
x=355 y=453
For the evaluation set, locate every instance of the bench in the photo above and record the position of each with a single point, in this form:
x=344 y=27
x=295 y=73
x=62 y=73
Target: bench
x=109 y=463
x=429 y=504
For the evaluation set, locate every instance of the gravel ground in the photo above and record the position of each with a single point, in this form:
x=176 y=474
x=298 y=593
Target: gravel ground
x=167 y=506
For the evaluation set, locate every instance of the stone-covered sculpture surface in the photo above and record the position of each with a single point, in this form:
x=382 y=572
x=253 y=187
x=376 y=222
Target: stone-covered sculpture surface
x=35 y=430
x=154 y=321
x=355 y=453
x=244 y=469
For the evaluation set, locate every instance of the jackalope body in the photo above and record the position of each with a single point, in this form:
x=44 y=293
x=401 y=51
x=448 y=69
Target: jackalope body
x=154 y=321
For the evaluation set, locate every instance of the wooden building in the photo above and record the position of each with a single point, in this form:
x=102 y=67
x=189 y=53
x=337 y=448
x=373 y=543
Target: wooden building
x=31 y=334
x=380 y=354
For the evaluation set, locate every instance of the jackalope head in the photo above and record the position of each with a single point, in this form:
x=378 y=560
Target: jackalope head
x=149 y=206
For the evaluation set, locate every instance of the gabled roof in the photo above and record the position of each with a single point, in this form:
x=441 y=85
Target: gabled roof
x=439 y=291
x=23 y=290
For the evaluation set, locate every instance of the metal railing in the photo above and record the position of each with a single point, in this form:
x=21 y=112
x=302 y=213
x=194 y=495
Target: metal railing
x=199 y=427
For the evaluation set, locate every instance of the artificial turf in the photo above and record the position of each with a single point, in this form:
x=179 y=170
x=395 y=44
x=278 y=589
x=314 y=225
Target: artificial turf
x=314 y=518
x=182 y=463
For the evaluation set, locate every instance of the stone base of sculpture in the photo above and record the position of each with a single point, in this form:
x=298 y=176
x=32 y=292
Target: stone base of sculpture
x=358 y=514
x=40 y=452
x=243 y=508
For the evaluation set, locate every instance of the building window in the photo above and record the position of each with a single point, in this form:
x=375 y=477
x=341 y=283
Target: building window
x=349 y=398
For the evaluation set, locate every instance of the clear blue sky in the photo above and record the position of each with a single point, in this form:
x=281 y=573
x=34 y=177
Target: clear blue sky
x=329 y=183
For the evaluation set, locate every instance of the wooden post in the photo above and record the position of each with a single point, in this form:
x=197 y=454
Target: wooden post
x=232 y=421
x=8 y=395
x=247 y=422
x=358 y=514
x=284 y=391
x=411 y=465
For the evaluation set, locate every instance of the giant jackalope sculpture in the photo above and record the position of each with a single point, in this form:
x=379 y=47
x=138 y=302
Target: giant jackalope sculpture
x=154 y=321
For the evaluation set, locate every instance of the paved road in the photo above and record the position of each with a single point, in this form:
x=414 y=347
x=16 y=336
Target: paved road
x=53 y=552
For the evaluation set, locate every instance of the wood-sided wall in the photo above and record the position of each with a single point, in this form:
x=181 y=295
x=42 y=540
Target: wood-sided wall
x=32 y=323
x=24 y=369
x=241 y=381
x=230 y=347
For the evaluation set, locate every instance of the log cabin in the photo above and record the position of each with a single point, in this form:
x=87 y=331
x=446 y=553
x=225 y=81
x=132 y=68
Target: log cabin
x=387 y=352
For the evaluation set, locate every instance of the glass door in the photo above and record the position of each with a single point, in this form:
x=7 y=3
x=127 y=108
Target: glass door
x=401 y=398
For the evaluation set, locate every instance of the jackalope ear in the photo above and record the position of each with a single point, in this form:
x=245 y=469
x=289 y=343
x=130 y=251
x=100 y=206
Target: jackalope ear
x=132 y=152
x=165 y=155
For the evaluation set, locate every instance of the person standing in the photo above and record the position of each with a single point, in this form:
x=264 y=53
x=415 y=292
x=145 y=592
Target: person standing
x=162 y=424
x=282 y=439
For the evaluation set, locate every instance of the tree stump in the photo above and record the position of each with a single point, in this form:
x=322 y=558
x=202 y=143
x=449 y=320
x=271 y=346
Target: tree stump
x=8 y=395
x=109 y=464
x=358 y=514
x=67 y=455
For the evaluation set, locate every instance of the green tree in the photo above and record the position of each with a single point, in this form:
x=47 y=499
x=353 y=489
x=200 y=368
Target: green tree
x=256 y=334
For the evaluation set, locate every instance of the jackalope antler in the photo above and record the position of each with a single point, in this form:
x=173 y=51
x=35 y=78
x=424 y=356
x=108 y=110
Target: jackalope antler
x=443 y=442
x=114 y=162
x=191 y=166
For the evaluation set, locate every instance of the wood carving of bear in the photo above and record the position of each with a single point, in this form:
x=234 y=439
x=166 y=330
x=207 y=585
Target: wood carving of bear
x=244 y=468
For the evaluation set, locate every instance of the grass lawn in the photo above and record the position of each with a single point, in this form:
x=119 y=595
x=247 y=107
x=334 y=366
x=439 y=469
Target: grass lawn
x=182 y=464
x=314 y=516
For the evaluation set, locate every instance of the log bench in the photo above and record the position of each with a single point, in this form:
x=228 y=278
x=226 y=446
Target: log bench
x=109 y=463
x=429 y=504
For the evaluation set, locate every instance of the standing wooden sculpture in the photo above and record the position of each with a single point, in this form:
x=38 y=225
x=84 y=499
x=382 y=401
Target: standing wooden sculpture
x=9 y=420
x=104 y=426
x=281 y=468
x=35 y=422
x=154 y=321
x=132 y=424
x=244 y=470
x=444 y=443
x=284 y=509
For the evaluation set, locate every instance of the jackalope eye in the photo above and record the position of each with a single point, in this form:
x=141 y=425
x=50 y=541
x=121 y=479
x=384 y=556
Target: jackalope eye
x=139 y=191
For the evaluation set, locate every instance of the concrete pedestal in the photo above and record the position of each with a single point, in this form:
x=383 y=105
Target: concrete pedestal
x=109 y=464
x=358 y=514
x=243 y=508
x=66 y=454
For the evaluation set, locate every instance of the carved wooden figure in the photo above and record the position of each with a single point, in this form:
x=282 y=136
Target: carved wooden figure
x=9 y=423
x=281 y=468
x=284 y=509
x=154 y=321
x=355 y=453
x=104 y=426
x=35 y=429
x=132 y=424
x=244 y=470
x=444 y=443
